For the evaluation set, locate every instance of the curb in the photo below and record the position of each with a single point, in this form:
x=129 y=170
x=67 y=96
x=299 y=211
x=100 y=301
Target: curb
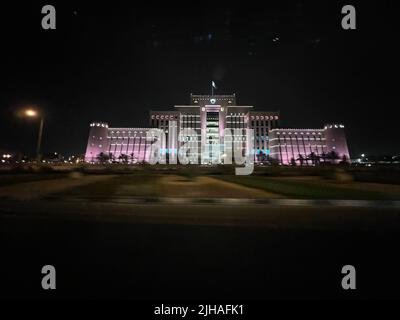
x=386 y=204
x=269 y=202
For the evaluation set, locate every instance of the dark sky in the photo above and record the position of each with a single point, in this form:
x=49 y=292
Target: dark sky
x=115 y=61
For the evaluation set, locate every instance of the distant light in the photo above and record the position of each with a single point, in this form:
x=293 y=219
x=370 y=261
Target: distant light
x=363 y=155
x=30 y=113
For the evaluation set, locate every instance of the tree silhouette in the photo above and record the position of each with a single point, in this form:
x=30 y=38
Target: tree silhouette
x=301 y=159
x=315 y=159
x=333 y=155
x=123 y=158
x=312 y=157
x=103 y=157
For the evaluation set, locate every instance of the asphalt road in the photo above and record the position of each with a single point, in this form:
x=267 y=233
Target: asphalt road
x=149 y=252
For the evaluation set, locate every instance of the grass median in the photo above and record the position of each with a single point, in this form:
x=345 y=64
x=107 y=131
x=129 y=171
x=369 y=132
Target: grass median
x=320 y=189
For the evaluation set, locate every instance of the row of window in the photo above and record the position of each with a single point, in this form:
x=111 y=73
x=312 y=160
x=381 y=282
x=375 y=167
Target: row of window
x=313 y=133
x=334 y=126
x=104 y=125
x=309 y=138
x=169 y=117
x=123 y=132
x=297 y=145
x=264 y=117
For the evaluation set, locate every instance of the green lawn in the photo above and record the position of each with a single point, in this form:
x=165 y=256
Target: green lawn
x=305 y=189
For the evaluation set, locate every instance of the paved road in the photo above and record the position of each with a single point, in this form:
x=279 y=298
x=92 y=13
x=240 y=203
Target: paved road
x=197 y=252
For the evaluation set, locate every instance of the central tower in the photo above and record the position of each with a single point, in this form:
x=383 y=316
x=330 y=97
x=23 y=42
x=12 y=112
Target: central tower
x=213 y=111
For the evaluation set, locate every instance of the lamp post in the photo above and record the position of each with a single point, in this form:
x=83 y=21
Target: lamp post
x=31 y=113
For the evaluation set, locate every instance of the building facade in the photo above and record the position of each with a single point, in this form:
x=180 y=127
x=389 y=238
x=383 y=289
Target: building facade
x=309 y=146
x=208 y=117
x=117 y=144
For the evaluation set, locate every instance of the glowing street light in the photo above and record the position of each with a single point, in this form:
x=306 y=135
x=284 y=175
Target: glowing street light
x=31 y=113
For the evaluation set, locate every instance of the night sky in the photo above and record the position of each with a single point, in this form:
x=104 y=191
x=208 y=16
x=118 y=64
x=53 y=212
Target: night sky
x=113 y=62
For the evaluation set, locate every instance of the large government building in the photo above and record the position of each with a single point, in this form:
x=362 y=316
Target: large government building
x=209 y=116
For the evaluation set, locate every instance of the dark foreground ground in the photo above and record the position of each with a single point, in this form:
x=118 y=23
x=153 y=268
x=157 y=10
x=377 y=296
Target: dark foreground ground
x=197 y=252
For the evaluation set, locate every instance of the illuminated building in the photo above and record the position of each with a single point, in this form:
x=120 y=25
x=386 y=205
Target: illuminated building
x=209 y=116
x=309 y=146
x=120 y=144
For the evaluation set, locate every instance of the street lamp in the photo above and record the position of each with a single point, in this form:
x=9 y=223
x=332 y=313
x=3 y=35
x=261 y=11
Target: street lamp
x=31 y=113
